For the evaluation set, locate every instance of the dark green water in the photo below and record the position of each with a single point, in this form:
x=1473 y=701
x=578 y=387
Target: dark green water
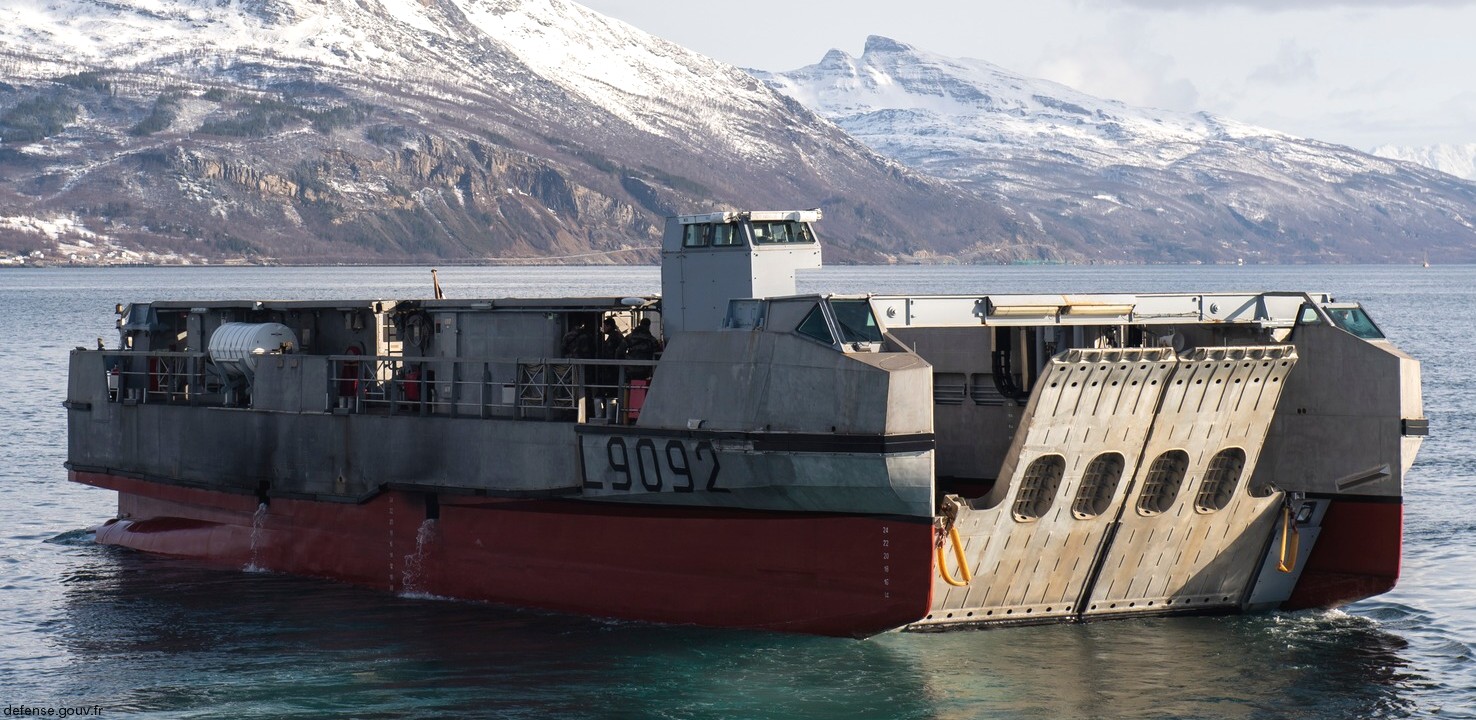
x=84 y=625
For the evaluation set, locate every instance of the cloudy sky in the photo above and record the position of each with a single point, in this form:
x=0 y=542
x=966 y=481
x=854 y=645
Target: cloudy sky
x=1358 y=72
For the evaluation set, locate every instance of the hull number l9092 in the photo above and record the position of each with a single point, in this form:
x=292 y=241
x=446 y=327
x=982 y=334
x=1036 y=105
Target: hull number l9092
x=652 y=465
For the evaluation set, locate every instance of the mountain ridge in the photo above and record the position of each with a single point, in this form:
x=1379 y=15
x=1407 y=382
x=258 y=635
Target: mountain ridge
x=1454 y=159
x=526 y=129
x=1109 y=172
x=488 y=130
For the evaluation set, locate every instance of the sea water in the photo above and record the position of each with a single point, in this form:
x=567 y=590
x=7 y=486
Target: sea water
x=87 y=628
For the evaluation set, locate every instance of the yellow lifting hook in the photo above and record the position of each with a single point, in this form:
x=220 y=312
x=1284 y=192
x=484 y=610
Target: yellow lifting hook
x=958 y=555
x=1288 y=531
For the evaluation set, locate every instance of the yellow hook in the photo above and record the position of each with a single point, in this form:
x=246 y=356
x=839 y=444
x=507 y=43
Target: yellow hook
x=958 y=555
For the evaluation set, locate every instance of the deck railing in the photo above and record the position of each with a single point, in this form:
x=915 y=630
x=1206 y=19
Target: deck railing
x=574 y=389
x=544 y=388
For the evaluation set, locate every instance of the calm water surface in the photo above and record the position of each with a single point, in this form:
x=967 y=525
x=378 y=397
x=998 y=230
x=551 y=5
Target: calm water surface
x=84 y=625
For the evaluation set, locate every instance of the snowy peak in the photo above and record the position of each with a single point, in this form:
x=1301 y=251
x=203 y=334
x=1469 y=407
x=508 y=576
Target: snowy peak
x=414 y=128
x=477 y=46
x=1141 y=181
x=838 y=62
x=386 y=127
x=894 y=82
x=1457 y=160
x=878 y=45
x=126 y=33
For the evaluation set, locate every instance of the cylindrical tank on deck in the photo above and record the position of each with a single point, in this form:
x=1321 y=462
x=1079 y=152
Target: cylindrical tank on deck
x=235 y=346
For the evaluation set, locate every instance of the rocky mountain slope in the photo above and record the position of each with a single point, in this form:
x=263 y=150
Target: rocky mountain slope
x=386 y=130
x=1116 y=181
x=522 y=130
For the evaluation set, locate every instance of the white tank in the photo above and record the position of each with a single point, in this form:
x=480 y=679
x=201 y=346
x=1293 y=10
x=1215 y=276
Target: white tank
x=236 y=346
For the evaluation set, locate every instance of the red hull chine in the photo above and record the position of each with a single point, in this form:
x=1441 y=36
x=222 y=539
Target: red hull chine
x=1356 y=556
x=820 y=574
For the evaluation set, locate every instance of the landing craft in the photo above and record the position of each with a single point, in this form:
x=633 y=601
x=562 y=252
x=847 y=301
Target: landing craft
x=831 y=464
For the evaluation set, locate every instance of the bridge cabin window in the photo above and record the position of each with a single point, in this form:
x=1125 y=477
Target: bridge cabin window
x=1038 y=488
x=726 y=235
x=857 y=322
x=1098 y=485
x=1219 y=482
x=1356 y=321
x=774 y=232
x=696 y=235
x=709 y=234
x=848 y=325
x=814 y=326
x=1161 y=488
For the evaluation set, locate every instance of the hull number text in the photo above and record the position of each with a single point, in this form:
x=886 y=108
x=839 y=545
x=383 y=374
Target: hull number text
x=653 y=465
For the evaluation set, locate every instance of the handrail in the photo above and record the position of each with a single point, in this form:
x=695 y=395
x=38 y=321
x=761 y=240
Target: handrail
x=587 y=389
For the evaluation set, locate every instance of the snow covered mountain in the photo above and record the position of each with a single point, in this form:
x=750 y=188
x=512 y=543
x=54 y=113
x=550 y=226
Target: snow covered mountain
x=1111 y=180
x=395 y=129
x=392 y=130
x=1457 y=160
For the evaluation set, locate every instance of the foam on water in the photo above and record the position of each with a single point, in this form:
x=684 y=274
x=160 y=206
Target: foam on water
x=415 y=562
x=84 y=537
x=258 y=519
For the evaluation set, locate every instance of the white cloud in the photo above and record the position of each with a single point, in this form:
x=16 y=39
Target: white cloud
x=1291 y=65
x=1176 y=94
x=1281 y=5
x=1120 y=65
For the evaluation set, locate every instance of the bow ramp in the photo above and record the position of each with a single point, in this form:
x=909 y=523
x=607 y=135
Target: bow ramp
x=1124 y=491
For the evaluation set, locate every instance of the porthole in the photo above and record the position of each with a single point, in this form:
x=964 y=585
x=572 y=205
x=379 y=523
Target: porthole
x=1161 y=487
x=1219 y=482
x=1038 y=487
x=1098 y=484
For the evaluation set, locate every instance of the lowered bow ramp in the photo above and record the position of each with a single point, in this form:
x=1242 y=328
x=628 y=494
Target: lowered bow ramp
x=1194 y=533
x=1124 y=491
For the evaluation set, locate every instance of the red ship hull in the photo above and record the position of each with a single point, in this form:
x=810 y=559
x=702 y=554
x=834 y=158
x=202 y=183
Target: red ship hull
x=1356 y=556
x=795 y=572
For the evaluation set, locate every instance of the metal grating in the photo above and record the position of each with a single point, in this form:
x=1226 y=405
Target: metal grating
x=1098 y=485
x=1038 y=487
x=1219 y=482
x=1161 y=487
